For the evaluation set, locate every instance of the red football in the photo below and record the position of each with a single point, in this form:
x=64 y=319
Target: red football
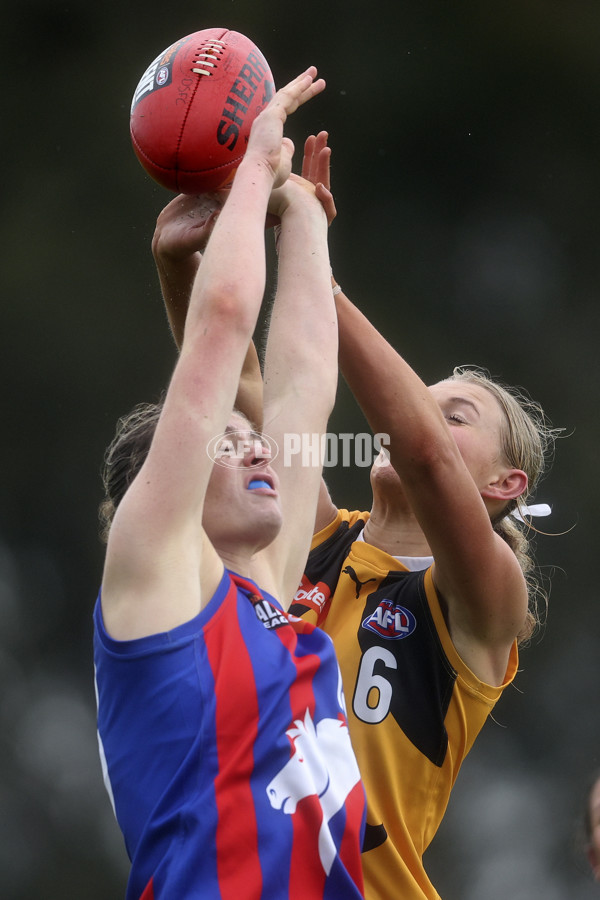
x=192 y=110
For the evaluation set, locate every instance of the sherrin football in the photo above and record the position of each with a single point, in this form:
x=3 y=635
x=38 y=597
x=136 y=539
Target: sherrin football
x=193 y=108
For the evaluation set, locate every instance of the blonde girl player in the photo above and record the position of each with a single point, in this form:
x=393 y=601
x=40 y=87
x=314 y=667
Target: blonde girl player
x=221 y=720
x=427 y=595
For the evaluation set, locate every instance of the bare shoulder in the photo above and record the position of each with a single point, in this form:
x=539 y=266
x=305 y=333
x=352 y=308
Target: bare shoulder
x=152 y=585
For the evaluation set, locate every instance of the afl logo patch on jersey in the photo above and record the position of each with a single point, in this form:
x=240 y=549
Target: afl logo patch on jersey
x=390 y=621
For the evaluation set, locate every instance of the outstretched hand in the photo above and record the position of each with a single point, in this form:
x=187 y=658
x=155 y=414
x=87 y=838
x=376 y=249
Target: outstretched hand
x=267 y=144
x=314 y=181
x=316 y=168
x=185 y=225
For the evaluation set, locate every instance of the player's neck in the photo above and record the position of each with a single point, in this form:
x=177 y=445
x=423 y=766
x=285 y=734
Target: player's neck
x=242 y=559
x=395 y=531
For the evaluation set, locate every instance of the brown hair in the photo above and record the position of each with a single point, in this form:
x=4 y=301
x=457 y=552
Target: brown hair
x=125 y=457
x=528 y=444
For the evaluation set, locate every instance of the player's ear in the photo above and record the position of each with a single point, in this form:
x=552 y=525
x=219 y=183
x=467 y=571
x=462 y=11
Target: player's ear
x=508 y=485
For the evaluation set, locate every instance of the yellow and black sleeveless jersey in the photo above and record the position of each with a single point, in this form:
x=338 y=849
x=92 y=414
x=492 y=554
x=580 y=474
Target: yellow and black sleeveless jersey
x=414 y=708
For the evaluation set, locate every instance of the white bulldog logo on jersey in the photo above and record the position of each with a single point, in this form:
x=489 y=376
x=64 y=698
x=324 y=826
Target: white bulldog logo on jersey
x=323 y=764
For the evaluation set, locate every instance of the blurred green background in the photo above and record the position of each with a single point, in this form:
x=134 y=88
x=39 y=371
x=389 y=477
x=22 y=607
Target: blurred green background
x=466 y=151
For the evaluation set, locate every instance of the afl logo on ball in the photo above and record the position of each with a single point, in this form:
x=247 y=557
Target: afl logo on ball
x=162 y=76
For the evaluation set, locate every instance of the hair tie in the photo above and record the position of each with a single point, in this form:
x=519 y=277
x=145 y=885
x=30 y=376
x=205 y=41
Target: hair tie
x=537 y=509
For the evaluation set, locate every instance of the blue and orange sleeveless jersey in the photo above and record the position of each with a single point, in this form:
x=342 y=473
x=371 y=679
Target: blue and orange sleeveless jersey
x=227 y=757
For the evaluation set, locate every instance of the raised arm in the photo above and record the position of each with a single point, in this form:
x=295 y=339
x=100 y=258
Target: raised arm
x=180 y=237
x=300 y=371
x=475 y=571
x=160 y=568
x=316 y=169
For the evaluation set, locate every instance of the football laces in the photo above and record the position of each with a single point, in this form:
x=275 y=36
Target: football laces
x=208 y=57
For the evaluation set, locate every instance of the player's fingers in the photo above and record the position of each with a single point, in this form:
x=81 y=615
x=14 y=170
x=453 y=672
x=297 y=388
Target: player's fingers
x=316 y=87
x=298 y=91
x=210 y=220
x=309 y=146
x=323 y=168
x=289 y=95
x=321 y=141
x=315 y=165
x=324 y=195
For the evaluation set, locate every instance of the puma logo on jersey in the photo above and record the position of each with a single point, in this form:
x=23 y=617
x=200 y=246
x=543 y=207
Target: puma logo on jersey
x=357 y=582
x=390 y=621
